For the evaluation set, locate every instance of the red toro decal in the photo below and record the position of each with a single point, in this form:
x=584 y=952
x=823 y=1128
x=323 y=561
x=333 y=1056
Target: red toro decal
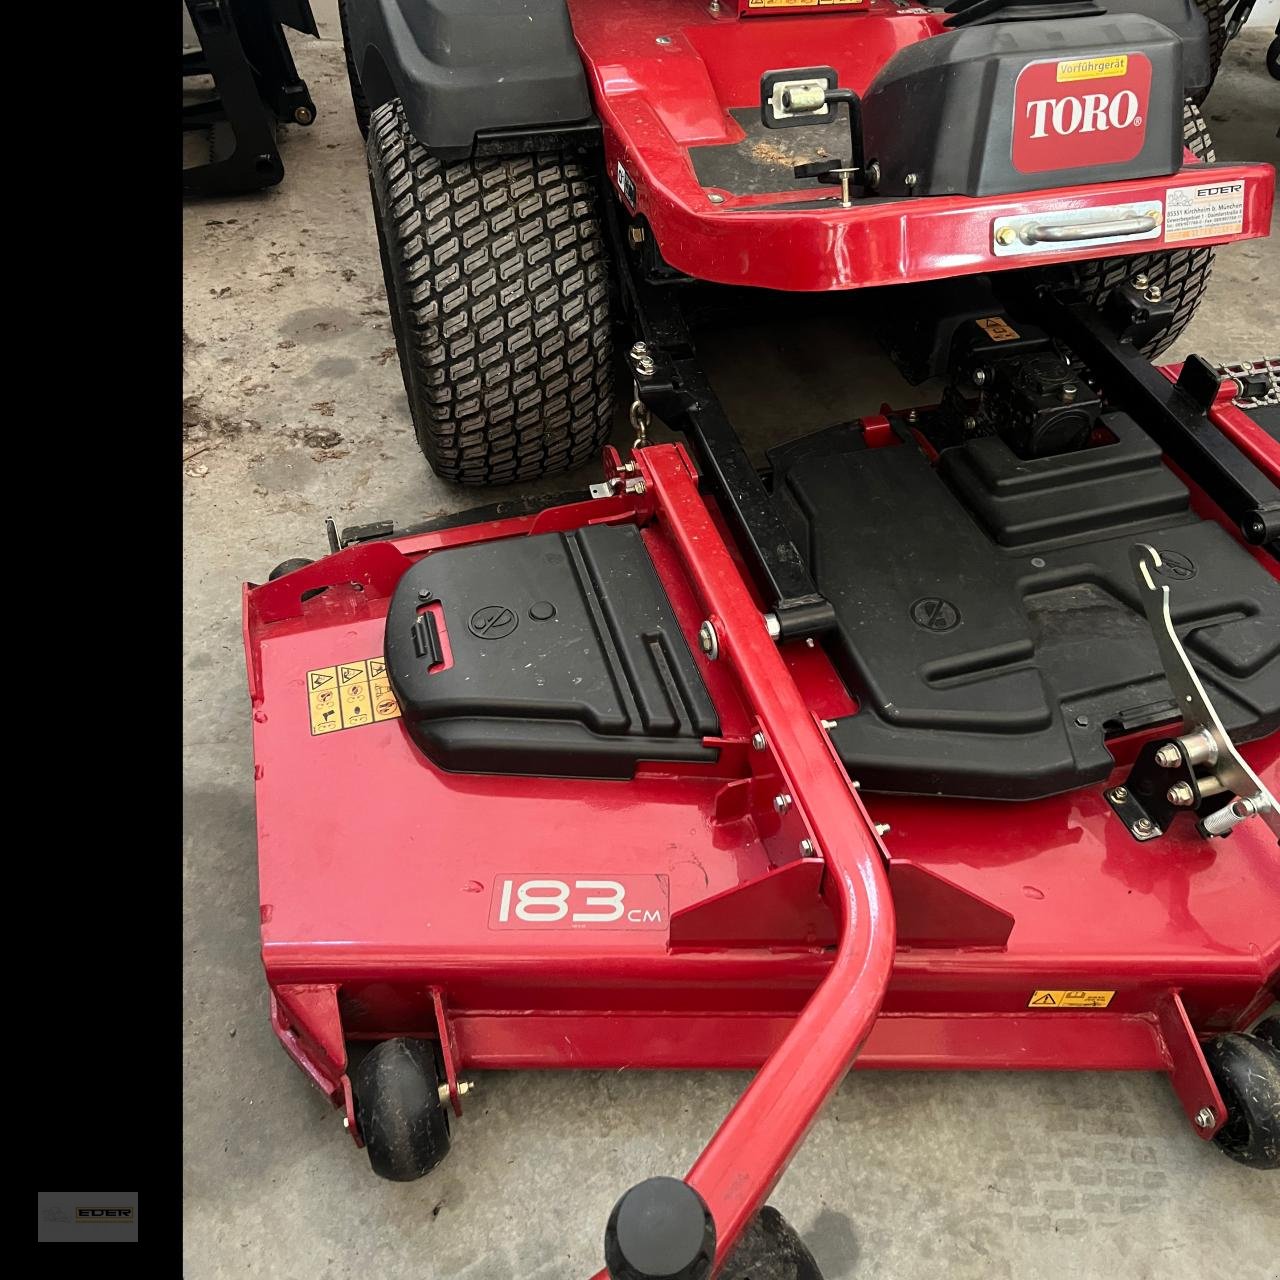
x=523 y=901
x=1072 y=113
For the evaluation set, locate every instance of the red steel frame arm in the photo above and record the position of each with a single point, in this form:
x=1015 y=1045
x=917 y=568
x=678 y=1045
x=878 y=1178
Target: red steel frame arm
x=754 y=1144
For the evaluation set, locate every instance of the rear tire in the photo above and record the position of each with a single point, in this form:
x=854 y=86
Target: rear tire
x=1182 y=275
x=358 y=100
x=1215 y=14
x=497 y=282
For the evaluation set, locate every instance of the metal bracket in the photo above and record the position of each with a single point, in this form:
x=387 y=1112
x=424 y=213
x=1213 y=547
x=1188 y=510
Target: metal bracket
x=1164 y=778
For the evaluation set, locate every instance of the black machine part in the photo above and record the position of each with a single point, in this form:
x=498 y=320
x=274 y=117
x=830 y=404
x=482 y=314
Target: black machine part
x=462 y=70
x=986 y=613
x=567 y=658
x=940 y=117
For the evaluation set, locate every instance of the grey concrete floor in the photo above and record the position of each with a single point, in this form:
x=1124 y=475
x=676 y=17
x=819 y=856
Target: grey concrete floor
x=294 y=410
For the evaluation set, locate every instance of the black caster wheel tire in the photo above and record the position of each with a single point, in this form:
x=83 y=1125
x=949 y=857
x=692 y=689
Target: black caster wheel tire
x=404 y=1124
x=1246 y=1070
x=1269 y=1030
x=1273 y=58
x=770 y=1249
x=288 y=566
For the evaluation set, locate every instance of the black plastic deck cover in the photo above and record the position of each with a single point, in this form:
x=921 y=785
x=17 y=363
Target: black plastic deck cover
x=987 y=618
x=567 y=659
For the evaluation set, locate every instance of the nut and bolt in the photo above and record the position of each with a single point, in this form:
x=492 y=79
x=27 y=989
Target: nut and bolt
x=1181 y=795
x=1168 y=757
x=1244 y=808
x=303 y=115
x=757 y=741
x=1006 y=236
x=1143 y=827
x=464 y=1088
x=1140 y=282
x=1120 y=795
x=772 y=626
x=873 y=174
x=1205 y=1118
x=1153 y=294
x=979 y=377
x=883 y=828
x=828 y=725
x=806 y=849
x=781 y=803
x=639 y=349
x=346 y=1122
x=708 y=640
x=644 y=366
x=911 y=180
x=1068 y=393
x=716 y=198
x=1082 y=722
x=662 y=40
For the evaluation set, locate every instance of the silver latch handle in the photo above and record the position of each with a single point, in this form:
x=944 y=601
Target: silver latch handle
x=1066 y=232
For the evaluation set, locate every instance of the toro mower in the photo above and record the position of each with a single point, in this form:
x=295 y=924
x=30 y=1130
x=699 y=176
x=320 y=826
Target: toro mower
x=947 y=739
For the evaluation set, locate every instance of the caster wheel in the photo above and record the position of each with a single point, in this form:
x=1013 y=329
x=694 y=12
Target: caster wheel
x=1246 y=1070
x=1269 y=1030
x=770 y=1249
x=288 y=566
x=404 y=1124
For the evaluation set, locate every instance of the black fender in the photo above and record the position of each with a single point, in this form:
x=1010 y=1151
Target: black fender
x=1184 y=19
x=464 y=68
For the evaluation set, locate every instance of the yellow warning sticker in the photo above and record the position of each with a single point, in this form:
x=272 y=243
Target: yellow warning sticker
x=1116 y=64
x=998 y=329
x=350 y=695
x=1070 y=999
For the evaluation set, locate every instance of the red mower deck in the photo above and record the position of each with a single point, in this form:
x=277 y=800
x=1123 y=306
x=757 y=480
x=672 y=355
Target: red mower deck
x=742 y=914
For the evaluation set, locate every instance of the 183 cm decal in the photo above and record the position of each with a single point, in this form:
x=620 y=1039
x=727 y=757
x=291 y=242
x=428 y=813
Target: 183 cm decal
x=580 y=902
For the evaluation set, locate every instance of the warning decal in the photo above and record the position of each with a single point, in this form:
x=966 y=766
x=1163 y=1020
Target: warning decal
x=1199 y=213
x=350 y=695
x=998 y=329
x=1070 y=999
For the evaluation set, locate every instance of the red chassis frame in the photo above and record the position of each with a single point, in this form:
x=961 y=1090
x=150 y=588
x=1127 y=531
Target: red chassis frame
x=379 y=875
x=656 y=100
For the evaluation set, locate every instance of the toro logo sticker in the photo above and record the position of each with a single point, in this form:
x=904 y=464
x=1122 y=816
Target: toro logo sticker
x=1082 y=111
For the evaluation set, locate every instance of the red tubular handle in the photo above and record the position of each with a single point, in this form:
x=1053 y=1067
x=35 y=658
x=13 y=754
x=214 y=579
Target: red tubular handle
x=754 y=1144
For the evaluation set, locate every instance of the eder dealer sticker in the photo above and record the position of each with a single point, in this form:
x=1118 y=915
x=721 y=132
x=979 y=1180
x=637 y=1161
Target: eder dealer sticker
x=1197 y=213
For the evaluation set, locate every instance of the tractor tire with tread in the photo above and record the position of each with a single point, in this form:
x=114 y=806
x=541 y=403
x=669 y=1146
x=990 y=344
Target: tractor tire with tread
x=497 y=282
x=1182 y=275
x=1215 y=14
x=358 y=100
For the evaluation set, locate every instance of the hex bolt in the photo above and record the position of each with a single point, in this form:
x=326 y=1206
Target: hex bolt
x=1181 y=795
x=883 y=828
x=1140 y=281
x=640 y=349
x=1205 y=1118
x=806 y=849
x=346 y=1122
x=781 y=803
x=1006 y=236
x=716 y=198
x=1120 y=795
x=662 y=40
x=911 y=180
x=644 y=366
x=979 y=377
x=1068 y=392
x=757 y=740
x=424 y=593
x=828 y=725
x=1168 y=757
x=772 y=626
x=303 y=115
x=708 y=640
x=1153 y=294
x=1144 y=827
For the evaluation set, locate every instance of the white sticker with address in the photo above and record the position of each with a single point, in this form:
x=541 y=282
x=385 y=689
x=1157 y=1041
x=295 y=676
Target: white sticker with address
x=1200 y=213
